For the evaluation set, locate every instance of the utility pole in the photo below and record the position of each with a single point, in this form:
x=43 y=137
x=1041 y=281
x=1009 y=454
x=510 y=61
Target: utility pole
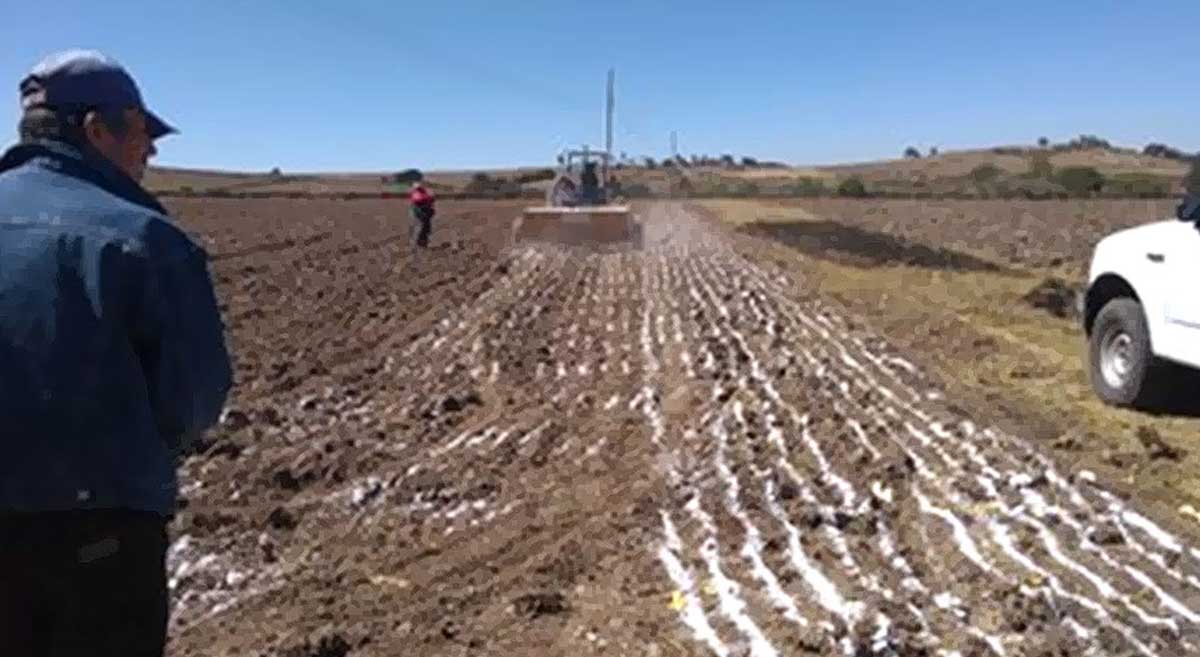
x=608 y=122
x=674 y=144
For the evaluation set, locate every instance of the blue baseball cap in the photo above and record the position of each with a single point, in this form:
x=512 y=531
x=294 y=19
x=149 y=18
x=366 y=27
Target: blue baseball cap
x=86 y=78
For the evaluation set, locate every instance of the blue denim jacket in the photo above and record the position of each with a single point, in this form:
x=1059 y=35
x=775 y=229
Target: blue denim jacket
x=112 y=349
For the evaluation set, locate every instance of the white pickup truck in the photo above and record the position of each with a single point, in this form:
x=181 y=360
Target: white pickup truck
x=1141 y=312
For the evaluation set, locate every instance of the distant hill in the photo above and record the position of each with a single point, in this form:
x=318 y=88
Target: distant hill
x=990 y=172
x=1012 y=159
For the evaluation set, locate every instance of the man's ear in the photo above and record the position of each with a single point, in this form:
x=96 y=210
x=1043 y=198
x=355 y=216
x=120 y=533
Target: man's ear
x=95 y=130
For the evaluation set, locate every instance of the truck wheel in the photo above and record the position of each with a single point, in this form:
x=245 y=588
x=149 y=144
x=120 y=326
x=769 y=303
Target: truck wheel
x=1119 y=356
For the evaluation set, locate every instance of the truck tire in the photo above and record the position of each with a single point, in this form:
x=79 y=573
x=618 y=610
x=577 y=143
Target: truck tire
x=1121 y=365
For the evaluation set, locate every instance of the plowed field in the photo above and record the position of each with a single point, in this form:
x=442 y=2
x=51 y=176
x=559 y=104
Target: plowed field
x=536 y=451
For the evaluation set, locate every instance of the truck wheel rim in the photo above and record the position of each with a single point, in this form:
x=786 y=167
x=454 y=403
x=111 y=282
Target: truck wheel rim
x=1116 y=358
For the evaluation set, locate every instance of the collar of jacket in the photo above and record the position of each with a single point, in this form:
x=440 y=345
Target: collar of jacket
x=82 y=164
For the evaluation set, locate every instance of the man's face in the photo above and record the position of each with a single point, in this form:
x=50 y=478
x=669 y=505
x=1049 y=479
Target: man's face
x=131 y=151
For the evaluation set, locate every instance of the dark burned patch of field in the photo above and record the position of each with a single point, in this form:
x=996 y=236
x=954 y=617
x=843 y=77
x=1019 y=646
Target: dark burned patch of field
x=1033 y=234
x=855 y=246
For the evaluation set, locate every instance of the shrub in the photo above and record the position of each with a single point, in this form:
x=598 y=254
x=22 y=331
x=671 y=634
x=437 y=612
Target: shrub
x=852 y=187
x=1164 y=151
x=912 y=153
x=1081 y=181
x=408 y=176
x=1043 y=142
x=1084 y=142
x=985 y=172
x=1091 y=141
x=805 y=187
x=1137 y=185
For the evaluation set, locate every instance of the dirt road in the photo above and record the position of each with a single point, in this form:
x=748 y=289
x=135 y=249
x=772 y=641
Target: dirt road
x=673 y=452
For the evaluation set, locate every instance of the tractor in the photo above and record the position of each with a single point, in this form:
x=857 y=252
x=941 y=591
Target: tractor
x=582 y=207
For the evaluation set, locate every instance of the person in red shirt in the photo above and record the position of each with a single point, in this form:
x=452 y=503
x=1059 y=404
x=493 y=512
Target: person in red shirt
x=422 y=208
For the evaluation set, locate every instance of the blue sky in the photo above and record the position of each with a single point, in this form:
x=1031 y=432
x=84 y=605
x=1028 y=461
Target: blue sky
x=366 y=86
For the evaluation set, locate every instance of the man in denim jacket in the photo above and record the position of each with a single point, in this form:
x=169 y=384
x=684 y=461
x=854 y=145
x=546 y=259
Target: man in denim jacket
x=112 y=359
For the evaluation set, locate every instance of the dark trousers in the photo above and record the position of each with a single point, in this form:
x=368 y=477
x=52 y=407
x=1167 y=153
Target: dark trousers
x=83 y=583
x=422 y=224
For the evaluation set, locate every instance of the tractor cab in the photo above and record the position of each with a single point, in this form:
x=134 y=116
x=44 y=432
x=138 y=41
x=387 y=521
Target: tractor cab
x=578 y=182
